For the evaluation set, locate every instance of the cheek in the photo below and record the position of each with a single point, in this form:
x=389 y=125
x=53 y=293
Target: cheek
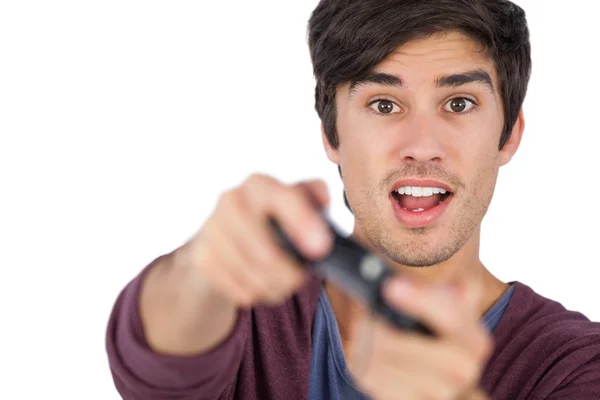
x=357 y=164
x=367 y=139
x=362 y=164
x=484 y=180
x=476 y=146
x=478 y=159
x=362 y=143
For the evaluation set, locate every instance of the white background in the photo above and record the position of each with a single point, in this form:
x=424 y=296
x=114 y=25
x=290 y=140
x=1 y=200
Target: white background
x=121 y=122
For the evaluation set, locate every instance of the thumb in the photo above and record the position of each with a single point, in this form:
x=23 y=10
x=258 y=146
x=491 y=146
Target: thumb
x=469 y=292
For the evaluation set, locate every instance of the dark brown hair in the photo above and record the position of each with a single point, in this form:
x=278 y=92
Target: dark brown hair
x=348 y=38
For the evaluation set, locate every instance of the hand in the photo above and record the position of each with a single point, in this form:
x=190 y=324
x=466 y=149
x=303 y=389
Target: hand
x=404 y=365
x=237 y=254
x=476 y=394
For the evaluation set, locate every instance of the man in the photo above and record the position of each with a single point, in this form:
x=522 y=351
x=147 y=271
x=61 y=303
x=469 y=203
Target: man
x=420 y=102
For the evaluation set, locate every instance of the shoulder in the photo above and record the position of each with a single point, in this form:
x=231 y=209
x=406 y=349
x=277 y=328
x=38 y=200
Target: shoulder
x=540 y=345
x=533 y=318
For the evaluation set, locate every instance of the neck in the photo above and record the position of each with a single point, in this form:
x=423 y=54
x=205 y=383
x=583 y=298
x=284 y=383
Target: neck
x=464 y=265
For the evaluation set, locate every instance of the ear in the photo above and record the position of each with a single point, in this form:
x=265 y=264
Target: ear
x=332 y=153
x=512 y=144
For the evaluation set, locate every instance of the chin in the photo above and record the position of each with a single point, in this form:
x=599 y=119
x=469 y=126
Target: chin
x=419 y=247
x=419 y=261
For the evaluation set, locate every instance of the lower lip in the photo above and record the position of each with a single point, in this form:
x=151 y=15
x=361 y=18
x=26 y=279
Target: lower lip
x=419 y=219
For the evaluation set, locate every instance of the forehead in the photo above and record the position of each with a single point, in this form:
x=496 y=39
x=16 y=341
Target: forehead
x=427 y=58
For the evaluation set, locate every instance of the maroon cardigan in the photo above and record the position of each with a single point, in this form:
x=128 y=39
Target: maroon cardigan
x=543 y=351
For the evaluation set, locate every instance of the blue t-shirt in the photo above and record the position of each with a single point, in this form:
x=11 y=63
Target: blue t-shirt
x=330 y=378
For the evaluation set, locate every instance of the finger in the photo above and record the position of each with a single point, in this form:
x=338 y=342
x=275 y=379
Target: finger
x=227 y=264
x=233 y=288
x=381 y=385
x=387 y=381
x=439 y=309
x=217 y=272
x=258 y=251
x=294 y=210
x=268 y=284
x=426 y=370
x=423 y=355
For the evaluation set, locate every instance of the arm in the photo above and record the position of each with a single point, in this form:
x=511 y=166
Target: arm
x=180 y=314
x=202 y=366
x=581 y=384
x=178 y=330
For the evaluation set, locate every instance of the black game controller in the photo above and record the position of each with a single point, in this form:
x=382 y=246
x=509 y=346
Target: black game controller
x=356 y=271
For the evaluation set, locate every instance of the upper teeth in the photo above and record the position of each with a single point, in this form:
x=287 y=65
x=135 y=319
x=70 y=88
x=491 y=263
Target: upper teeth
x=418 y=191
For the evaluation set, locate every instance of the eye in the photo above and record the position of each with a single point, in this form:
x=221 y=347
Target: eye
x=459 y=105
x=383 y=106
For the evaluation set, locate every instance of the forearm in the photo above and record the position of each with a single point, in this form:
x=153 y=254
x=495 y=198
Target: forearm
x=181 y=316
x=141 y=371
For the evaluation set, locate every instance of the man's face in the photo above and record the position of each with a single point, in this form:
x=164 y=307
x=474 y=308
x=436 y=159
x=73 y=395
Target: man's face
x=426 y=119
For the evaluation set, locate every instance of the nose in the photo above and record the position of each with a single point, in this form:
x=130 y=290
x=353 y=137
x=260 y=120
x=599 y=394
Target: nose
x=420 y=139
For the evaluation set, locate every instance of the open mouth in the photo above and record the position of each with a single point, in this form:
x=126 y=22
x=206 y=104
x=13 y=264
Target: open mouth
x=420 y=199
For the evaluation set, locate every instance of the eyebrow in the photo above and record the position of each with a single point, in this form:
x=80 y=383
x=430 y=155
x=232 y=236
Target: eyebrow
x=463 y=78
x=376 y=78
x=453 y=80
